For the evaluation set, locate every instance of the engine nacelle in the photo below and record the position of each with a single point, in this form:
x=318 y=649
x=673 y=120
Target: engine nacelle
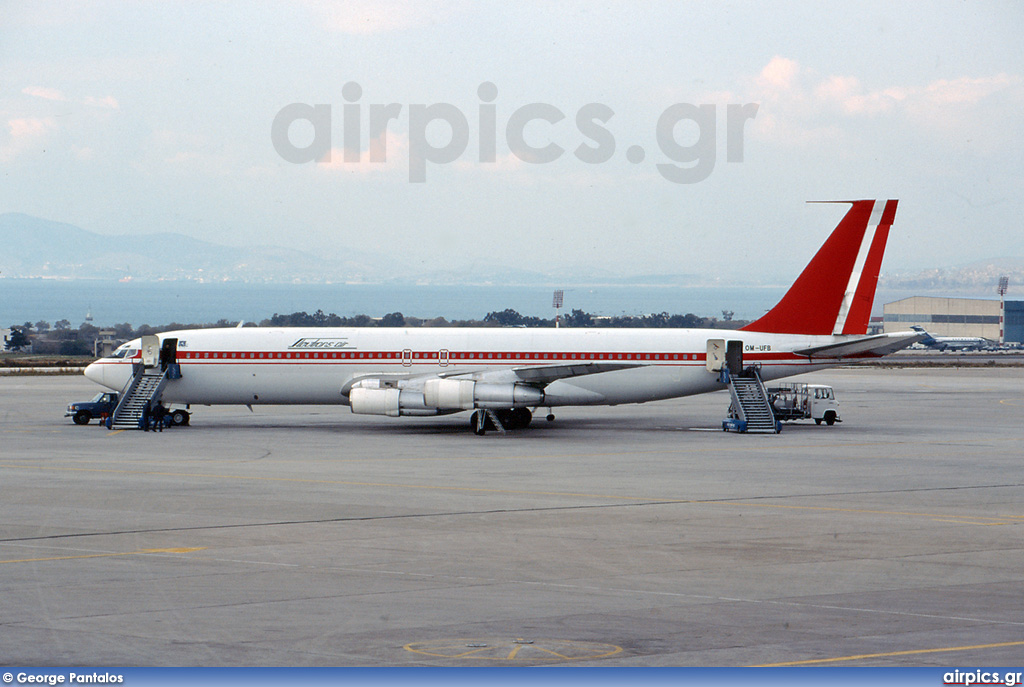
x=465 y=394
x=439 y=397
x=375 y=401
x=381 y=400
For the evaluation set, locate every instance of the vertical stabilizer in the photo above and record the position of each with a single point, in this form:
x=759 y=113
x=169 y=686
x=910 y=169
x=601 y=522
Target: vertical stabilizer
x=834 y=293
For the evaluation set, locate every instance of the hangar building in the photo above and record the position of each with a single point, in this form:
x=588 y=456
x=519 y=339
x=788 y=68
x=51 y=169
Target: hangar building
x=956 y=317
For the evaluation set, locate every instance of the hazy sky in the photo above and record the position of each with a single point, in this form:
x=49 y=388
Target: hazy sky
x=141 y=117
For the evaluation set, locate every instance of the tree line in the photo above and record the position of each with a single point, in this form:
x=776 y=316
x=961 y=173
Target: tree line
x=63 y=339
x=501 y=318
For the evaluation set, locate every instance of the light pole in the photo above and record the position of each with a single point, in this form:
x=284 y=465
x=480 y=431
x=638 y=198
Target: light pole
x=1004 y=281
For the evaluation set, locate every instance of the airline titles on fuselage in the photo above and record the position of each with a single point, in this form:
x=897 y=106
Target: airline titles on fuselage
x=321 y=343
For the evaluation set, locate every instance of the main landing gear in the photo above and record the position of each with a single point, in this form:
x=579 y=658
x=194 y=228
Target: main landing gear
x=500 y=420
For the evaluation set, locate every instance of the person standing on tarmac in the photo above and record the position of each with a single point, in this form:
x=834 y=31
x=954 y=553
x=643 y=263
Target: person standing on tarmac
x=159 y=416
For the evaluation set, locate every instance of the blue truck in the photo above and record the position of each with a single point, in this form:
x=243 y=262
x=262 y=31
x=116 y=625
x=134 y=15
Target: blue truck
x=102 y=405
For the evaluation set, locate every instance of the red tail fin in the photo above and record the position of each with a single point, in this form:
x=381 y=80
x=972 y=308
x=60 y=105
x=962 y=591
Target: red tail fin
x=834 y=293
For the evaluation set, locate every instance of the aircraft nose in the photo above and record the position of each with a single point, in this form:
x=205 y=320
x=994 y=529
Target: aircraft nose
x=94 y=372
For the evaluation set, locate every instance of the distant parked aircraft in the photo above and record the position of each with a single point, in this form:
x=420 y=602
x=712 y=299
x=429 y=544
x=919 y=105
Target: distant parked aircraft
x=952 y=343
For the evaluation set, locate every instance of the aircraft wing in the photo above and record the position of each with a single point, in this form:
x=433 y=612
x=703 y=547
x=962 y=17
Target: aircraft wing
x=538 y=375
x=549 y=373
x=535 y=375
x=864 y=346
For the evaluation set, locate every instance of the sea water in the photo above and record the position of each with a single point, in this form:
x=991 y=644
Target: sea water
x=187 y=302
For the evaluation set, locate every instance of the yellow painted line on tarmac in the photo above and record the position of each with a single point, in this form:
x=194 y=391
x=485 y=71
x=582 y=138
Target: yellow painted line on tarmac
x=968 y=522
x=140 y=552
x=868 y=511
x=115 y=432
x=889 y=654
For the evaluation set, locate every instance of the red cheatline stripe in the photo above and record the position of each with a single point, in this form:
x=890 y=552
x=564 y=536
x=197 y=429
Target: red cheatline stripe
x=453 y=357
x=474 y=356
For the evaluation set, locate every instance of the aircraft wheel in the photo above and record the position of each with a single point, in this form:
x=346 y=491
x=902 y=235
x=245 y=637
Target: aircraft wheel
x=179 y=417
x=82 y=418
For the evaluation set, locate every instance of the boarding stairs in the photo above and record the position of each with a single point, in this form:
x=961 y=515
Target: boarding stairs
x=142 y=391
x=751 y=409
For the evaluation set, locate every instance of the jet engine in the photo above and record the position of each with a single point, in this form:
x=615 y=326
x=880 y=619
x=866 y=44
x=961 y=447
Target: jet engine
x=438 y=397
x=465 y=394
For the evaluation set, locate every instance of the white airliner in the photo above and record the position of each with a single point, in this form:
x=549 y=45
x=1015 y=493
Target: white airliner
x=506 y=374
x=952 y=343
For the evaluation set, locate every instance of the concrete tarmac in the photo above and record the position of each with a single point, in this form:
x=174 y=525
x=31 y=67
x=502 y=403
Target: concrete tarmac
x=634 y=535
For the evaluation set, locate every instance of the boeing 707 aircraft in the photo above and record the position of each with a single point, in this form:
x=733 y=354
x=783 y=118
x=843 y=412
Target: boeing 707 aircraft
x=504 y=375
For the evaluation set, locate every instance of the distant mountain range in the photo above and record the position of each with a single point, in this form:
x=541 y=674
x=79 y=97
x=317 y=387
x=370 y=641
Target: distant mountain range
x=31 y=247
x=34 y=247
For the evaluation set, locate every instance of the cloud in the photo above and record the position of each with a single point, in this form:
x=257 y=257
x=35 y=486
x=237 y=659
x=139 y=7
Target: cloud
x=779 y=74
x=799 y=106
x=108 y=102
x=387 y=152
x=43 y=92
x=969 y=91
x=25 y=133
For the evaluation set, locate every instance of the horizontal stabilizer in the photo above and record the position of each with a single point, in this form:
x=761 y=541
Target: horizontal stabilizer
x=863 y=347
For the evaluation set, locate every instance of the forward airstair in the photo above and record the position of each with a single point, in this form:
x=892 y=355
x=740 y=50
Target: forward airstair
x=750 y=411
x=157 y=364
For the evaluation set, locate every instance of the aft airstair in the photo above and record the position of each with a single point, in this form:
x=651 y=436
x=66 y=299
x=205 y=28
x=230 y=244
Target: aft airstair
x=137 y=396
x=751 y=410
